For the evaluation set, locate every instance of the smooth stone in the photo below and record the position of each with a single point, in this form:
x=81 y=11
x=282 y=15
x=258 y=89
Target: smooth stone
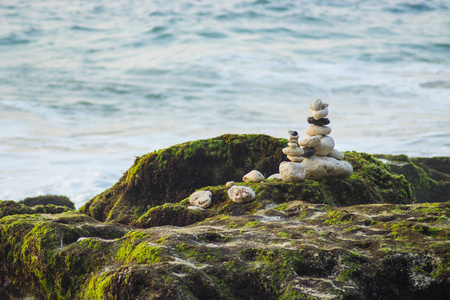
x=318 y=167
x=319 y=114
x=293 y=144
x=297 y=151
x=309 y=142
x=241 y=194
x=318 y=130
x=201 y=199
x=320 y=122
x=286 y=245
x=275 y=176
x=229 y=184
x=292 y=171
x=325 y=146
x=336 y=154
x=253 y=176
x=316 y=105
x=309 y=151
x=295 y=158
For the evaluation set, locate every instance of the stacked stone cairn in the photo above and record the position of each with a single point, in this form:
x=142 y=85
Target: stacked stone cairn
x=321 y=159
x=292 y=171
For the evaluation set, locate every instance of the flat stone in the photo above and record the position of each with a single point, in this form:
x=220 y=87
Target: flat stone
x=253 y=176
x=275 y=176
x=325 y=146
x=193 y=207
x=295 y=158
x=318 y=130
x=241 y=194
x=292 y=171
x=323 y=121
x=309 y=151
x=201 y=199
x=336 y=154
x=319 y=114
x=311 y=141
x=318 y=167
x=293 y=151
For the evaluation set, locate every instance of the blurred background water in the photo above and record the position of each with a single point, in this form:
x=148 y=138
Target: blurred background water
x=87 y=85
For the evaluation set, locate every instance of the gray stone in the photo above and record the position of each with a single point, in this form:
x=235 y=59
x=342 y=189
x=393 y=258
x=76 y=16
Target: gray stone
x=253 y=176
x=292 y=171
x=336 y=154
x=321 y=122
x=229 y=184
x=201 y=199
x=275 y=176
x=319 y=114
x=309 y=142
x=325 y=146
x=318 y=130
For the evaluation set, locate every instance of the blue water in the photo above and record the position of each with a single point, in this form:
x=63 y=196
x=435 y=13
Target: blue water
x=87 y=85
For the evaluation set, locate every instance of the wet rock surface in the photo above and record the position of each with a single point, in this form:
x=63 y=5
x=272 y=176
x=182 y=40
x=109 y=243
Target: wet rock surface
x=362 y=237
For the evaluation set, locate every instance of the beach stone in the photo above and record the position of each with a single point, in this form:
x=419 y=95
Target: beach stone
x=295 y=158
x=293 y=151
x=336 y=154
x=319 y=114
x=241 y=194
x=275 y=176
x=309 y=142
x=253 y=176
x=309 y=151
x=193 y=207
x=201 y=199
x=292 y=171
x=316 y=105
x=318 y=130
x=320 y=122
x=318 y=167
x=293 y=144
x=325 y=146
x=229 y=184
x=293 y=136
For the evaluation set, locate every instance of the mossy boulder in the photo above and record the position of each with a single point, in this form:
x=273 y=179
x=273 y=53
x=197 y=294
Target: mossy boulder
x=429 y=177
x=171 y=175
x=47 y=200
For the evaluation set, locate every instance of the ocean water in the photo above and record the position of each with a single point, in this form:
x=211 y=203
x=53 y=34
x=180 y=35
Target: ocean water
x=85 y=86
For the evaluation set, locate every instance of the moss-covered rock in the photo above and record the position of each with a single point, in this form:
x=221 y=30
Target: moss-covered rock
x=172 y=174
x=429 y=177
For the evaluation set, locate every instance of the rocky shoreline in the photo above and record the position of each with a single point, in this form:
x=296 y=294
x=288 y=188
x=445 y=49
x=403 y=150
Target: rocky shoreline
x=382 y=233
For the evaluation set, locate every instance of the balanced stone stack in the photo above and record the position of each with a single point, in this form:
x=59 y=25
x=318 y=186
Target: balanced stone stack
x=321 y=159
x=292 y=171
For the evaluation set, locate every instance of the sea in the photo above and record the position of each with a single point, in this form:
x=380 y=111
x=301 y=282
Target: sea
x=88 y=85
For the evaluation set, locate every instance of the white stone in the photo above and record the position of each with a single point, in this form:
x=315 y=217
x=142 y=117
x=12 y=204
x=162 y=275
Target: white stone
x=325 y=146
x=229 y=184
x=295 y=158
x=275 y=176
x=316 y=105
x=241 y=194
x=292 y=171
x=310 y=142
x=319 y=114
x=253 y=176
x=201 y=199
x=286 y=245
x=195 y=207
x=318 y=167
x=294 y=151
x=336 y=154
x=318 y=130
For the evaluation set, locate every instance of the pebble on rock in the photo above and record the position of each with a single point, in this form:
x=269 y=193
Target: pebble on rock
x=293 y=151
x=295 y=158
x=309 y=142
x=229 y=184
x=325 y=146
x=309 y=151
x=201 y=199
x=318 y=167
x=320 y=122
x=275 y=176
x=241 y=194
x=292 y=171
x=318 y=130
x=336 y=154
x=319 y=114
x=316 y=105
x=253 y=176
